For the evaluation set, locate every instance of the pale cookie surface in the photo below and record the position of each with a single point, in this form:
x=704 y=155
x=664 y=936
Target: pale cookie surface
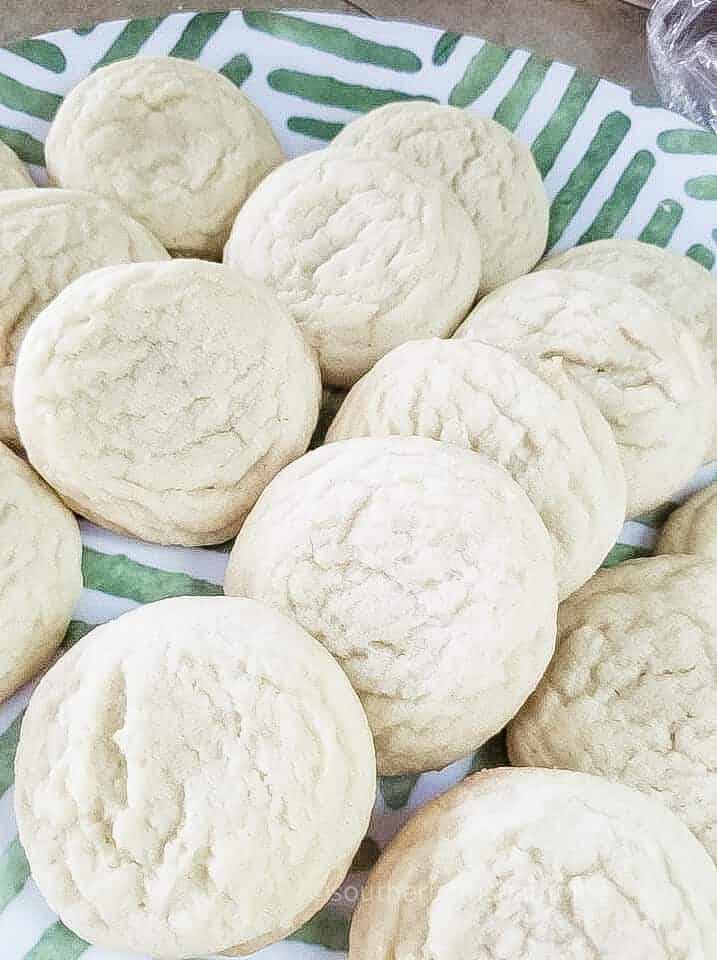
x=13 y=172
x=160 y=398
x=631 y=693
x=192 y=778
x=489 y=170
x=646 y=372
x=365 y=253
x=48 y=238
x=692 y=528
x=534 y=422
x=40 y=576
x=683 y=287
x=540 y=864
x=412 y=561
x=179 y=146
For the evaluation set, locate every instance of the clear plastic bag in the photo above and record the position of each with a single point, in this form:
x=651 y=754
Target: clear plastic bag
x=682 y=42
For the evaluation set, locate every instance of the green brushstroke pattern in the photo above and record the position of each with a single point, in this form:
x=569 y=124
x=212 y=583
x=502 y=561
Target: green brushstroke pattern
x=41 y=52
x=26 y=147
x=687 y=141
x=335 y=93
x=662 y=223
x=619 y=203
x=8 y=747
x=36 y=103
x=625 y=551
x=119 y=576
x=554 y=135
x=512 y=107
x=311 y=127
x=328 y=927
x=197 y=34
x=702 y=188
x=237 y=69
x=479 y=75
x=702 y=255
x=130 y=40
x=445 y=45
x=610 y=134
x=396 y=791
x=334 y=40
x=14 y=872
x=57 y=943
x=76 y=631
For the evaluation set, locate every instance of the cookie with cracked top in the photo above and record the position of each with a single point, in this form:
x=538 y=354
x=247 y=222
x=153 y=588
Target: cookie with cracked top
x=193 y=778
x=159 y=399
x=648 y=374
x=680 y=284
x=631 y=691
x=48 y=238
x=179 y=146
x=426 y=571
x=40 y=575
x=528 y=417
x=539 y=864
x=490 y=171
x=364 y=252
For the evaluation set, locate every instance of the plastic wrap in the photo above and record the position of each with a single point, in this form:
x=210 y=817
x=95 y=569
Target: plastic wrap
x=682 y=41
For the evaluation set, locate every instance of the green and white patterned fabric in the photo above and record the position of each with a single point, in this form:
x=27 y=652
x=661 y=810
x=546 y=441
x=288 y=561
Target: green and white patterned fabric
x=611 y=166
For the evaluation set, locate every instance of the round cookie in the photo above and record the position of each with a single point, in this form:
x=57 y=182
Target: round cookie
x=365 y=253
x=534 y=422
x=631 y=693
x=40 y=575
x=489 y=170
x=193 y=778
x=427 y=573
x=179 y=146
x=13 y=172
x=686 y=290
x=646 y=372
x=48 y=238
x=692 y=528
x=160 y=398
x=540 y=864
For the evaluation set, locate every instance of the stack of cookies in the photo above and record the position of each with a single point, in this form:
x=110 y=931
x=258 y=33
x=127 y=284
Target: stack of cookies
x=196 y=776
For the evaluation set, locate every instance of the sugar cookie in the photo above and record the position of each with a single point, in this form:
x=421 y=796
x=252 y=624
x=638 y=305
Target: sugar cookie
x=683 y=287
x=646 y=372
x=179 y=146
x=540 y=864
x=692 y=528
x=533 y=421
x=631 y=692
x=193 y=778
x=160 y=398
x=489 y=170
x=13 y=172
x=48 y=238
x=425 y=570
x=365 y=253
x=40 y=575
